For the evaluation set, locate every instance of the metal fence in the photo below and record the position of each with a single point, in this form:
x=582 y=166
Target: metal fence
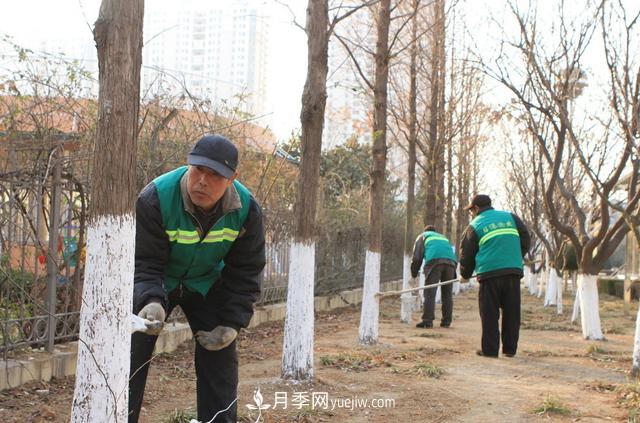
x=42 y=236
x=42 y=214
x=25 y=320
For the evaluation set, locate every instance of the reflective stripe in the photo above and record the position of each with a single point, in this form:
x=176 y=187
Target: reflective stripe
x=498 y=232
x=225 y=234
x=192 y=237
x=183 y=237
x=435 y=238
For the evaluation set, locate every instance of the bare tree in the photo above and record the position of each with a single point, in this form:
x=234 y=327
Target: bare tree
x=297 y=358
x=102 y=377
x=542 y=90
x=297 y=355
x=368 y=333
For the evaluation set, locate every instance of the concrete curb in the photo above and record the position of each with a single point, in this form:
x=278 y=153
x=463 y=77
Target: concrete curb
x=44 y=366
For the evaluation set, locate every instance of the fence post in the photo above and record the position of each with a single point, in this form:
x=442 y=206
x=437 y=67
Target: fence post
x=52 y=267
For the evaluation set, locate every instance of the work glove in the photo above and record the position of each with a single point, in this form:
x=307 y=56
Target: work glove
x=154 y=312
x=217 y=339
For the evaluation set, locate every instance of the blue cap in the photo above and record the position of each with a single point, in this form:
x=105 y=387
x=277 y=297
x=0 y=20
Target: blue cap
x=215 y=152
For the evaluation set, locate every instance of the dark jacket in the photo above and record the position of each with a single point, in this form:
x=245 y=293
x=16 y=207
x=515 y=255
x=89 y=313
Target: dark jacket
x=469 y=247
x=418 y=258
x=239 y=284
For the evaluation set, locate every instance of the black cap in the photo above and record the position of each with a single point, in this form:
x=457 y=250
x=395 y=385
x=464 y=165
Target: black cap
x=480 y=200
x=215 y=152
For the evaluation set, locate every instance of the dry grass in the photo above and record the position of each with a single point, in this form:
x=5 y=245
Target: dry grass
x=552 y=405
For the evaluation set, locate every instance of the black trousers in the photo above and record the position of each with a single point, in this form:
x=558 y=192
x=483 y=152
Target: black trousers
x=216 y=371
x=500 y=292
x=439 y=273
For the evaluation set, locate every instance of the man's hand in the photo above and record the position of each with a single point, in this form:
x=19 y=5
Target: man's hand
x=217 y=339
x=153 y=312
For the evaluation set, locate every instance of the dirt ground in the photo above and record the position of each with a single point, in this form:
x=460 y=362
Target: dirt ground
x=412 y=375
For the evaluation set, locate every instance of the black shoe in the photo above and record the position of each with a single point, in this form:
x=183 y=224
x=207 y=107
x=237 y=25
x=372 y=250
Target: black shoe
x=424 y=325
x=445 y=325
x=509 y=355
x=482 y=354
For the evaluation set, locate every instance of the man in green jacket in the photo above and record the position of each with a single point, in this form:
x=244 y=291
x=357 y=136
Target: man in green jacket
x=493 y=245
x=200 y=246
x=435 y=250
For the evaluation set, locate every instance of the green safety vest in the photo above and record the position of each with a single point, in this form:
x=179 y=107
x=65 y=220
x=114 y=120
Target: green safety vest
x=498 y=241
x=437 y=246
x=194 y=262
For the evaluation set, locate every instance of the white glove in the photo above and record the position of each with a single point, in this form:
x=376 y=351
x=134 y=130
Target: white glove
x=217 y=339
x=155 y=313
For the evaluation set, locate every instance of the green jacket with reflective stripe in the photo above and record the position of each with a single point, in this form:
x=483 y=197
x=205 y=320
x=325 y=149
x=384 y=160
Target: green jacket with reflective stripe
x=437 y=246
x=196 y=260
x=498 y=241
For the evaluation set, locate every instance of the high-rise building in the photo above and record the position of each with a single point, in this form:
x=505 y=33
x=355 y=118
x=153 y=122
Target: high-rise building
x=214 y=49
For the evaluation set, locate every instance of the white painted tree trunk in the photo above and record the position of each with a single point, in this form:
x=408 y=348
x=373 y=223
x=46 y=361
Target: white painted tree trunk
x=527 y=277
x=455 y=290
x=574 y=281
x=368 y=333
x=559 y=292
x=104 y=347
x=542 y=277
x=406 y=300
x=297 y=349
x=635 y=369
x=438 y=295
x=420 y=298
x=552 y=286
x=533 y=283
x=589 y=306
x=576 y=306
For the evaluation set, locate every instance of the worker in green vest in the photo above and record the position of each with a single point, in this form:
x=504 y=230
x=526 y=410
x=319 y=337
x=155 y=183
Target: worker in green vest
x=435 y=250
x=493 y=245
x=200 y=246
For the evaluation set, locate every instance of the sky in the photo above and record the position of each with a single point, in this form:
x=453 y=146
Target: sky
x=287 y=71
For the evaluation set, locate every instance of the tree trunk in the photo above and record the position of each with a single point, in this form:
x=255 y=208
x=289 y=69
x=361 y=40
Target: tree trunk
x=552 y=286
x=635 y=368
x=527 y=277
x=102 y=376
x=590 y=314
x=533 y=283
x=541 y=280
x=405 y=305
x=368 y=333
x=297 y=357
x=576 y=306
x=559 y=291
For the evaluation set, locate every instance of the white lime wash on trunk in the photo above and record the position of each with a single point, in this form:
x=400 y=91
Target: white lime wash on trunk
x=297 y=349
x=438 y=295
x=576 y=306
x=455 y=290
x=104 y=346
x=636 y=348
x=589 y=307
x=421 y=282
x=542 y=277
x=370 y=304
x=552 y=286
x=559 y=291
x=526 y=278
x=406 y=304
x=574 y=281
x=533 y=283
